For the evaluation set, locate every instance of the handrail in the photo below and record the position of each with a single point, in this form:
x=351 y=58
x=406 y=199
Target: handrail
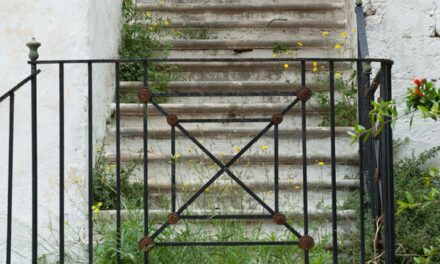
x=19 y=85
x=363 y=51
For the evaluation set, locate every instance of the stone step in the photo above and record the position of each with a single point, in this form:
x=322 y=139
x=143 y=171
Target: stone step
x=264 y=110
x=323 y=24
x=241 y=2
x=268 y=71
x=227 y=132
x=194 y=170
x=132 y=114
x=224 y=86
x=136 y=157
x=227 y=44
x=242 y=6
x=229 y=141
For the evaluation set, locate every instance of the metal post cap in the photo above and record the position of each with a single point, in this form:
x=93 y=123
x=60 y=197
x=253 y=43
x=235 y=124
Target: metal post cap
x=33 y=46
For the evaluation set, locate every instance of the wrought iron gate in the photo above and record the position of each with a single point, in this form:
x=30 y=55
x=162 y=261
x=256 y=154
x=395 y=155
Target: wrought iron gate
x=146 y=96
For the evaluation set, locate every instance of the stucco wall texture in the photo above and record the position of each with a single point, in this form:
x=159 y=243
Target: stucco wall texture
x=67 y=29
x=409 y=33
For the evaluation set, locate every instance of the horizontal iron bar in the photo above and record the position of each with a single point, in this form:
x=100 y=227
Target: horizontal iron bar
x=226 y=120
x=19 y=85
x=224 y=94
x=233 y=217
x=213 y=60
x=215 y=244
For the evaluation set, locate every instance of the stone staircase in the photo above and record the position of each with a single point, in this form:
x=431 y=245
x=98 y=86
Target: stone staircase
x=244 y=29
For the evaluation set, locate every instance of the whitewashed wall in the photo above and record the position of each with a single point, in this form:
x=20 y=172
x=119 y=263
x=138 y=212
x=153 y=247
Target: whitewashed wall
x=409 y=33
x=67 y=29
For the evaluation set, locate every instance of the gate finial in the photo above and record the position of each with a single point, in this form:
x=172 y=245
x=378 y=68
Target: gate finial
x=33 y=46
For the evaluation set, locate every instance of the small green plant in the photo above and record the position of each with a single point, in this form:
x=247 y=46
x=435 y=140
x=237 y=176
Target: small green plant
x=145 y=40
x=104 y=183
x=345 y=106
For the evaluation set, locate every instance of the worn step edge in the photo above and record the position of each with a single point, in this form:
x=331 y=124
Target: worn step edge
x=163 y=186
x=224 y=86
x=282 y=24
x=203 y=44
x=346 y=159
x=246 y=66
x=158 y=216
x=164 y=133
x=138 y=109
x=285 y=7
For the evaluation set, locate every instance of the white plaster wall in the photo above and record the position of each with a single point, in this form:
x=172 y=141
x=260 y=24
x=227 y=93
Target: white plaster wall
x=67 y=29
x=405 y=32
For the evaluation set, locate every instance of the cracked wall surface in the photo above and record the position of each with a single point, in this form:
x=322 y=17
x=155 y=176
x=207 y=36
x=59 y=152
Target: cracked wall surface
x=405 y=32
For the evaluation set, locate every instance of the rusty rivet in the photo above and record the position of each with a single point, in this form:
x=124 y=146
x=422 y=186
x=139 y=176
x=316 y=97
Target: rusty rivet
x=306 y=243
x=173 y=218
x=172 y=120
x=144 y=95
x=280 y=219
x=146 y=244
x=277 y=119
x=304 y=94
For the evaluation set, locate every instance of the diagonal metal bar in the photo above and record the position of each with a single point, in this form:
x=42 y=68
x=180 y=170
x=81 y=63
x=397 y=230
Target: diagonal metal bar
x=159 y=108
x=225 y=168
x=290 y=106
x=215 y=177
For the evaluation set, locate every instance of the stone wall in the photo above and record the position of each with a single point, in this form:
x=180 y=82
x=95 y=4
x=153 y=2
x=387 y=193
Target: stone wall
x=67 y=29
x=409 y=33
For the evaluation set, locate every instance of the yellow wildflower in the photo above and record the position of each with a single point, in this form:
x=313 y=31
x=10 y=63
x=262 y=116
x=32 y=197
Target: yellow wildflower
x=325 y=33
x=289 y=180
x=66 y=222
x=315 y=66
x=264 y=148
x=354 y=30
x=338 y=75
x=269 y=192
x=237 y=149
x=321 y=163
x=286 y=66
x=148 y=14
x=297 y=187
x=166 y=23
x=97 y=207
x=337 y=46
x=344 y=34
x=176 y=156
x=299 y=44
x=207 y=189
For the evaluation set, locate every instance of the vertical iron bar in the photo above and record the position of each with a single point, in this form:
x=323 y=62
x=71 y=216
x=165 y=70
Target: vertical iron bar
x=118 y=163
x=387 y=169
x=10 y=178
x=145 y=127
x=304 y=160
x=361 y=110
x=61 y=179
x=90 y=160
x=276 y=181
x=173 y=169
x=333 y=162
x=34 y=167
